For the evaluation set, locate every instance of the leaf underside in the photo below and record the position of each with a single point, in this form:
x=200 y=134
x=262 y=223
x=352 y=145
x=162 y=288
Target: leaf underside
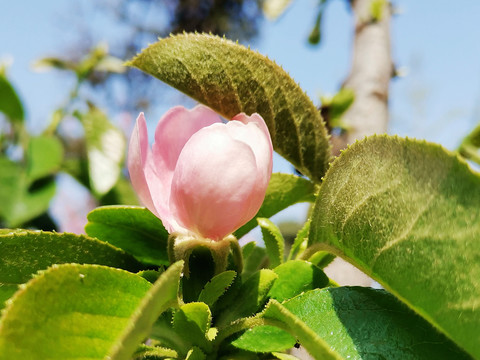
x=132 y=228
x=24 y=252
x=406 y=212
x=231 y=79
x=84 y=310
x=162 y=295
x=362 y=323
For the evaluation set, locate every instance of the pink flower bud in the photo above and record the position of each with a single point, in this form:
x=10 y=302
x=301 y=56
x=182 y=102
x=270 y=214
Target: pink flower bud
x=202 y=176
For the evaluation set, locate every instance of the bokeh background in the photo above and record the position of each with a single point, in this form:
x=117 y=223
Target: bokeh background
x=435 y=94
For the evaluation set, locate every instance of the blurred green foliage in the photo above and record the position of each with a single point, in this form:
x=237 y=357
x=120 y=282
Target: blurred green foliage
x=94 y=155
x=31 y=162
x=470 y=146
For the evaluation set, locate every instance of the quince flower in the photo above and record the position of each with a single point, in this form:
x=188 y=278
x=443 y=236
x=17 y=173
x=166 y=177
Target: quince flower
x=201 y=177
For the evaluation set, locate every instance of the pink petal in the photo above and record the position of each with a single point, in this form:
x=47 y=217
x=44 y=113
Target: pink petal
x=173 y=130
x=214 y=182
x=138 y=153
x=255 y=134
x=253 y=131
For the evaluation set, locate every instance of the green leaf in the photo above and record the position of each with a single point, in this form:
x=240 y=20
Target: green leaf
x=247 y=249
x=406 y=213
x=23 y=253
x=334 y=107
x=166 y=336
x=192 y=322
x=470 y=146
x=246 y=299
x=216 y=287
x=300 y=242
x=163 y=295
x=363 y=323
x=18 y=202
x=321 y=259
x=195 y=354
x=131 y=228
x=105 y=148
x=254 y=260
x=154 y=352
x=295 y=277
x=295 y=326
x=70 y=311
x=150 y=275
x=30 y=204
x=315 y=35
x=264 y=339
x=283 y=190
x=44 y=156
x=274 y=241
x=55 y=63
x=10 y=103
x=197 y=313
x=6 y=292
x=341 y=102
x=232 y=79
x=9 y=190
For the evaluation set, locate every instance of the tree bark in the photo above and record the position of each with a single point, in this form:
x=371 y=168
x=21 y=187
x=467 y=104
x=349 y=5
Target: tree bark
x=370 y=75
x=369 y=78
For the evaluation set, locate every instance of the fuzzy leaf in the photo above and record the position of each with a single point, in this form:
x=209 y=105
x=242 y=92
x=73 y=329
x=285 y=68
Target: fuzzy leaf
x=6 y=292
x=300 y=242
x=154 y=353
x=131 y=228
x=162 y=295
x=363 y=323
x=470 y=146
x=283 y=190
x=300 y=329
x=231 y=79
x=216 y=287
x=295 y=277
x=274 y=241
x=192 y=322
x=23 y=253
x=195 y=354
x=254 y=259
x=248 y=298
x=406 y=213
x=84 y=309
x=265 y=338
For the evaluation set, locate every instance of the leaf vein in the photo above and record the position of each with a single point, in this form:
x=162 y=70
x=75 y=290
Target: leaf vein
x=404 y=234
x=365 y=200
x=228 y=76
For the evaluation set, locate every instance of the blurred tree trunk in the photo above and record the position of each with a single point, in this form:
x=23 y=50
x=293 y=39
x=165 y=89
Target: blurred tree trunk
x=369 y=78
x=370 y=74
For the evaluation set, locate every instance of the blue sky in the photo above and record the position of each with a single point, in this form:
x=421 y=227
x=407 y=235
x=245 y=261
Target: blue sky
x=436 y=42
